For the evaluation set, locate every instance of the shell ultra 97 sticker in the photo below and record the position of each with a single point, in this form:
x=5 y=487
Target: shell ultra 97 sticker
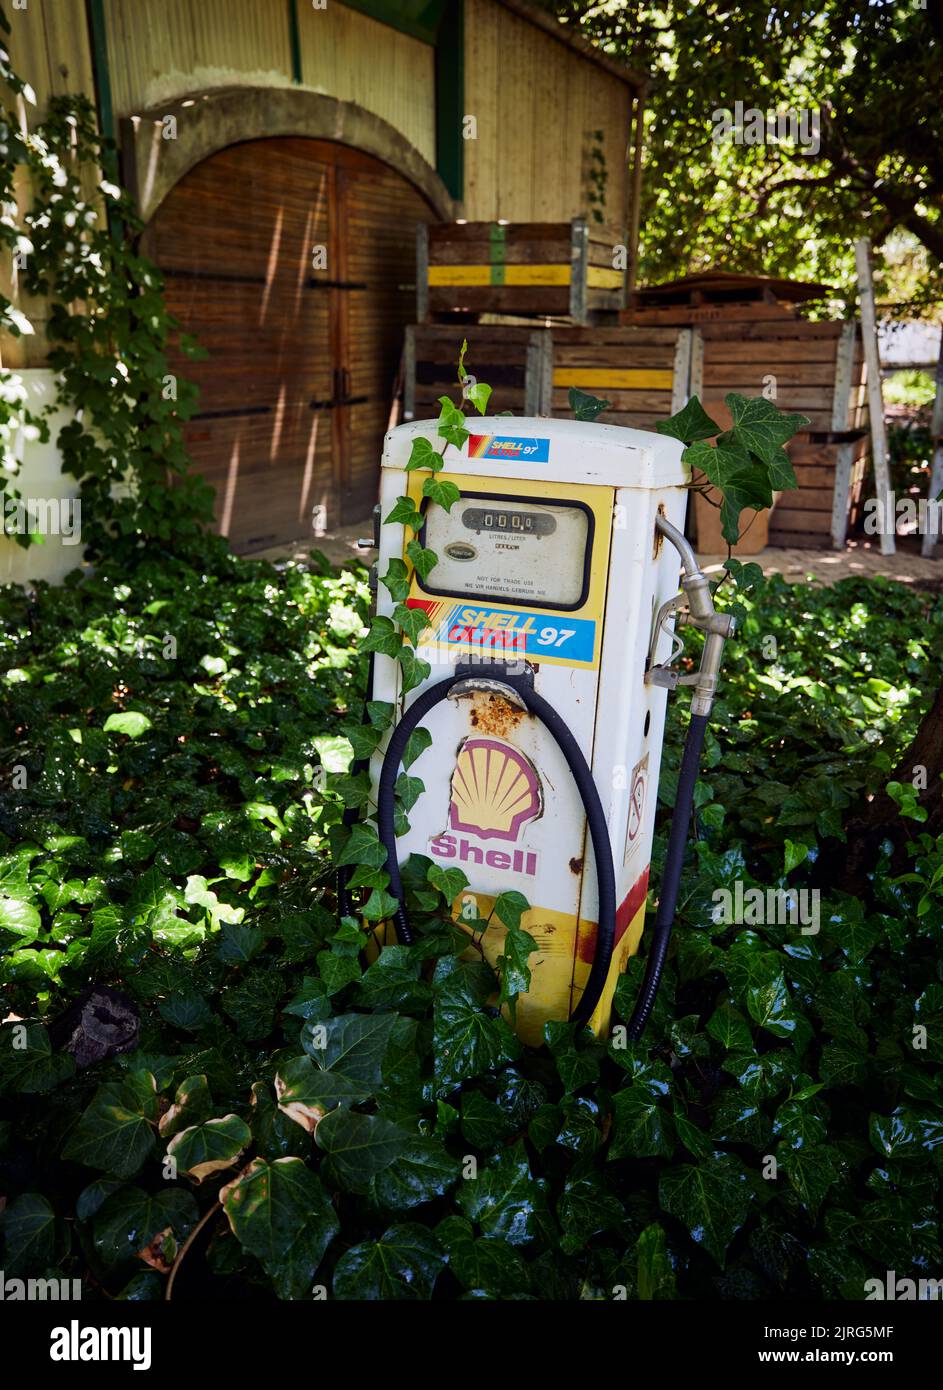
x=561 y=638
x=499 y=446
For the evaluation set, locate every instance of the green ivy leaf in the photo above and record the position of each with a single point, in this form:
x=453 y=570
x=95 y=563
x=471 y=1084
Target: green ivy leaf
x=730 y=1028
x=28 y=1226
x=404 y=513
x=689 y=424
x=383 y=637
x=402 y=1265
x=131 y=722
x=441 y=492
x=116 y=1131
x=34 y=1068
x=424 y=560
x=422 y=455
x=449 y=882
x=396 y=578
x=413 y=621
x=192 y=1103
x=505 y=1199
x=490 y=1266
x=359 y=1146
x=467 y=1041
x=479 y=395
x=811 y=1171
x=641 y=1129
x=743 y=480
x=513 y=970
x=363 y=847
x=209 y=1147
x=350 y=1045
x=451 y=424
x=656 y=1279
x=760 y=426
x=129 y=1219
x=21 y=918
x=414 y=670
x=712 y=1200
x=281 y=1214
x=424 y=1170
x=583 y=406
x=510 y=907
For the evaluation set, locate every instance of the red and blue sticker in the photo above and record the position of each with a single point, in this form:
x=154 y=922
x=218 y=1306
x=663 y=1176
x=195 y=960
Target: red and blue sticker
x=498 y=446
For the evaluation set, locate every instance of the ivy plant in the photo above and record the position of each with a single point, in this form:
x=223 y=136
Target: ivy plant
x=75 y=245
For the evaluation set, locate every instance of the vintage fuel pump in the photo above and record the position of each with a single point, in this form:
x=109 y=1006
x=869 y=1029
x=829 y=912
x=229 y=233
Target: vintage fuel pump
x=551 y=612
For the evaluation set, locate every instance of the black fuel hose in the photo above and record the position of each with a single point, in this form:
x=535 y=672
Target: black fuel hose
x=599 y=835
x=671 y=875
x=352 y=813
x=582 y=776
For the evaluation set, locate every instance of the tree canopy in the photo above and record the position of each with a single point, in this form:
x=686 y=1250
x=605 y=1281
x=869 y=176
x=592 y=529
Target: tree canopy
x=869 y=74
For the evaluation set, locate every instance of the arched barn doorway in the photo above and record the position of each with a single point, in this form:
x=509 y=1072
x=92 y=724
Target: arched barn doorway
x=292 y=261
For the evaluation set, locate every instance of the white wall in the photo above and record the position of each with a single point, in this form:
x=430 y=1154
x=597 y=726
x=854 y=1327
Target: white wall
x=40 y=477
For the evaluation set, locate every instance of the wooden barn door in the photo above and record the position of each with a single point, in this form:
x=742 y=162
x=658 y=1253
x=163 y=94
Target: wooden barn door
x=292 y=262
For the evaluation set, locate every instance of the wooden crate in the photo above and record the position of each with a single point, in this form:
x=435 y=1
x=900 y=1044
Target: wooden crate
x=642 y=372
x=510 y=359
x=550 y=269
x=830 y=471
x=815 y=369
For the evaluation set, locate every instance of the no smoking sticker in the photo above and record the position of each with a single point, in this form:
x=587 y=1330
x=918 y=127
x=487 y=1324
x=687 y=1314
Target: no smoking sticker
x=638 y=789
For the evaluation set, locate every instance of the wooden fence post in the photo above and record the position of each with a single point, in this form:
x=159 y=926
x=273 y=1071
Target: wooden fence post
x=931 y=535
x=680 y=391
x=844 y=458
x=422 y=272
x=882 y=478
x=538 y=382
x=409 y=373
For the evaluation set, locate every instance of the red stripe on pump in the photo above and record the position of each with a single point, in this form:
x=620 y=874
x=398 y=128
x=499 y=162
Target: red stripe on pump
x=631 y=904
x=634 y=899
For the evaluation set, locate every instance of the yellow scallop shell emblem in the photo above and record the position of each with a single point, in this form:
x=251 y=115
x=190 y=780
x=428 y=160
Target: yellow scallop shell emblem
x=494 y=790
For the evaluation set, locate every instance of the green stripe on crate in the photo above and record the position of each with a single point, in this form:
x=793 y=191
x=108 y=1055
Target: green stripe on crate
x=497 y=249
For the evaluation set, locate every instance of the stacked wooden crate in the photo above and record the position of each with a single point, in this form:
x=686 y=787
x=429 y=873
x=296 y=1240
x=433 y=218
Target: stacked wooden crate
x=749 y=339
x=546 y=269
x=642 y=372
x=509 y=358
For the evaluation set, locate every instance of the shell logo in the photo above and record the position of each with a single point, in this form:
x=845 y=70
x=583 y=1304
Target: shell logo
x=495 y=790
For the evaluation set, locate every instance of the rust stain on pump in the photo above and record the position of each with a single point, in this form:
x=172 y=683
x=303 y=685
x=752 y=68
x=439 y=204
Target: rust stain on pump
x=493 y=714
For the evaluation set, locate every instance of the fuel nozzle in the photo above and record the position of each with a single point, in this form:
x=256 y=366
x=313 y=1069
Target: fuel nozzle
x=700 y=613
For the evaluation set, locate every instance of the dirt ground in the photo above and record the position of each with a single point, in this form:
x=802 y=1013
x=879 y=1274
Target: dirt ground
x=858 y=558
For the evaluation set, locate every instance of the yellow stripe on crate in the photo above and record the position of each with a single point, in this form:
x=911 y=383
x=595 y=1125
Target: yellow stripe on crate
x=600 y=277
x=539 y=275
x=625 y=378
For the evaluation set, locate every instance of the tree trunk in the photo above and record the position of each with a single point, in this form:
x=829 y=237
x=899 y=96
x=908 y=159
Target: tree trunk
x=880 y=818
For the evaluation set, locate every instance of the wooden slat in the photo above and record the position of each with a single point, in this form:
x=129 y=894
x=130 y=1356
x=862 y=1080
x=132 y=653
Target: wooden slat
x=795 y=519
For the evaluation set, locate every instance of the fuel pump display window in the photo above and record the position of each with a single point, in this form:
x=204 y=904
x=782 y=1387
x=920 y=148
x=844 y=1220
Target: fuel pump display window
x=510 y=550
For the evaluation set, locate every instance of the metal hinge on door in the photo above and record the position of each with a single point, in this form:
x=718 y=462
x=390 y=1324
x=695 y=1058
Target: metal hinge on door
x=341 y=394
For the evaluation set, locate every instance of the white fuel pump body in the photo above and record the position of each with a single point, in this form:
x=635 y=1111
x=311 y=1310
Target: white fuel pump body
x=549 y=564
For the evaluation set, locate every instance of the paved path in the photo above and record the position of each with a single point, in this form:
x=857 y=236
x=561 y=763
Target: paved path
x=858 y=558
